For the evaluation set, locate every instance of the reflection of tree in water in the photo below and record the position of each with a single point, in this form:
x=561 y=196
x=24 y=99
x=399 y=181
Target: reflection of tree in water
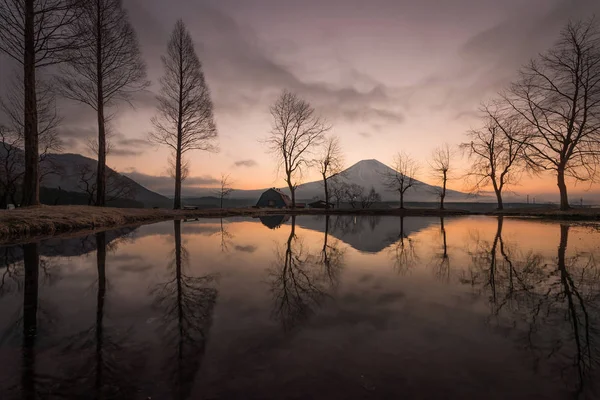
x=403 y=252
x=332 y=256
x=551 y=309
x=226 y=237
x=186 y=304
x=297 y=284
x=442 y=258
x=349 y=224
x=28 y=321
x=109 y=363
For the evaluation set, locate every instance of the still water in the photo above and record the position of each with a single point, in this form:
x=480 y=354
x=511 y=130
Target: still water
x=303 y=308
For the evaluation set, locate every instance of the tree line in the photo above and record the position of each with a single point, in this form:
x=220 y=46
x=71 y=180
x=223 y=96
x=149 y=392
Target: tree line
x=97 y=62
x=547 y=120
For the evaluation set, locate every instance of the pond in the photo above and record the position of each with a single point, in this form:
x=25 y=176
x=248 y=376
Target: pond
x=305 y=307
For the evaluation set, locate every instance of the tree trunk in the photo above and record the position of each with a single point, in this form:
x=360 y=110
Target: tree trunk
x=177 y=204
x=101 y=170
x=499 y=199
x=326 y=192
x=443 y=194
x=31 y=184
x=562 y=187
x=402 y=200
x=221 y=200
x=292 y=192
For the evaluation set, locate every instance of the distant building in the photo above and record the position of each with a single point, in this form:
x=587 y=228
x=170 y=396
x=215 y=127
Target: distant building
x=320 y=204
x=274 y=198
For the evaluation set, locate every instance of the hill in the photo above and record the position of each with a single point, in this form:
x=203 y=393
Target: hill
x=64 y=185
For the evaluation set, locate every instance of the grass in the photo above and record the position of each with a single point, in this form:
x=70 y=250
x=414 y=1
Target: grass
x=33 y=223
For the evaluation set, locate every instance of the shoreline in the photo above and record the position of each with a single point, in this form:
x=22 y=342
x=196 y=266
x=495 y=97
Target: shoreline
x=38 y=223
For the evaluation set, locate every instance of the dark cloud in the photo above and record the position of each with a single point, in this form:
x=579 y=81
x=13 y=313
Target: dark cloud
x=246 y=249
x=232 y=57
x=365 y=134
x=165 y=184
x=245 y=163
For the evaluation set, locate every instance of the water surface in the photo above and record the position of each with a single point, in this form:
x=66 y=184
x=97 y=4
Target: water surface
x=305 y=307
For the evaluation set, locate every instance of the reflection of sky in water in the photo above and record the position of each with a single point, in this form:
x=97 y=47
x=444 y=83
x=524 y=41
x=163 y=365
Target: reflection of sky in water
x=377 y=307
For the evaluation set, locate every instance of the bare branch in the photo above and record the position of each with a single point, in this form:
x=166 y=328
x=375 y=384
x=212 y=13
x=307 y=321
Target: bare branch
x=296 y=134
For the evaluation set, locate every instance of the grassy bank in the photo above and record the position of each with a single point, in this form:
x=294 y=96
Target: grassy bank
x=38 y=222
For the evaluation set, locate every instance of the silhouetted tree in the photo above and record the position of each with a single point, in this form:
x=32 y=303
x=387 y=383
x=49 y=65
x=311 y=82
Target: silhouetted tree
x=440 y=165
x=224 y=189
x=118 y=186
x=33 y=33
x=185 y=110
x=106 y=67
x=401 y=176
x=296 y=135
x=558 y=98
x=367 y=200
x=12 y=156
x=330 y=163
x=495 y=155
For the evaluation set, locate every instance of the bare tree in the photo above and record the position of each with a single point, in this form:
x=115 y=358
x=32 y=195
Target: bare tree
x=558 y=96
x=366 y=201
x=106 y=68
x=495 y=154
x=353 y=193
x=12 y=158
x=330 y=163
x=401 y=176
x=117 y=186
x=296 y=134
x=440 y=165
x=185 y=111
x=224 y=189
x=32 y=32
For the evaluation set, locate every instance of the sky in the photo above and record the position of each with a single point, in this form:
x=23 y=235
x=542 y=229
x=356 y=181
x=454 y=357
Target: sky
x=389 y=75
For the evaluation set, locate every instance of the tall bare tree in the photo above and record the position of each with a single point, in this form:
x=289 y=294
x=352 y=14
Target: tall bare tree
x=12 y=158
x=296 y=135
x=106 y=68
x=185 y=110
x=401 y=176
x=440 y=165
x=495 y=155
x=558 y=96
x=224 y=189
x=34 y=34
x=330 y=163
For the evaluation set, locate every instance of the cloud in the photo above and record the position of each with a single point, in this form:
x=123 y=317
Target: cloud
x=233 y=57
x=365 y=134
x=246 y=163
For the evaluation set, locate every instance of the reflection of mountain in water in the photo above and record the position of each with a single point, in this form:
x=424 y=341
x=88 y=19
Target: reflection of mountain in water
x=369 y=234
x=62 y=247
x=274 y=221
